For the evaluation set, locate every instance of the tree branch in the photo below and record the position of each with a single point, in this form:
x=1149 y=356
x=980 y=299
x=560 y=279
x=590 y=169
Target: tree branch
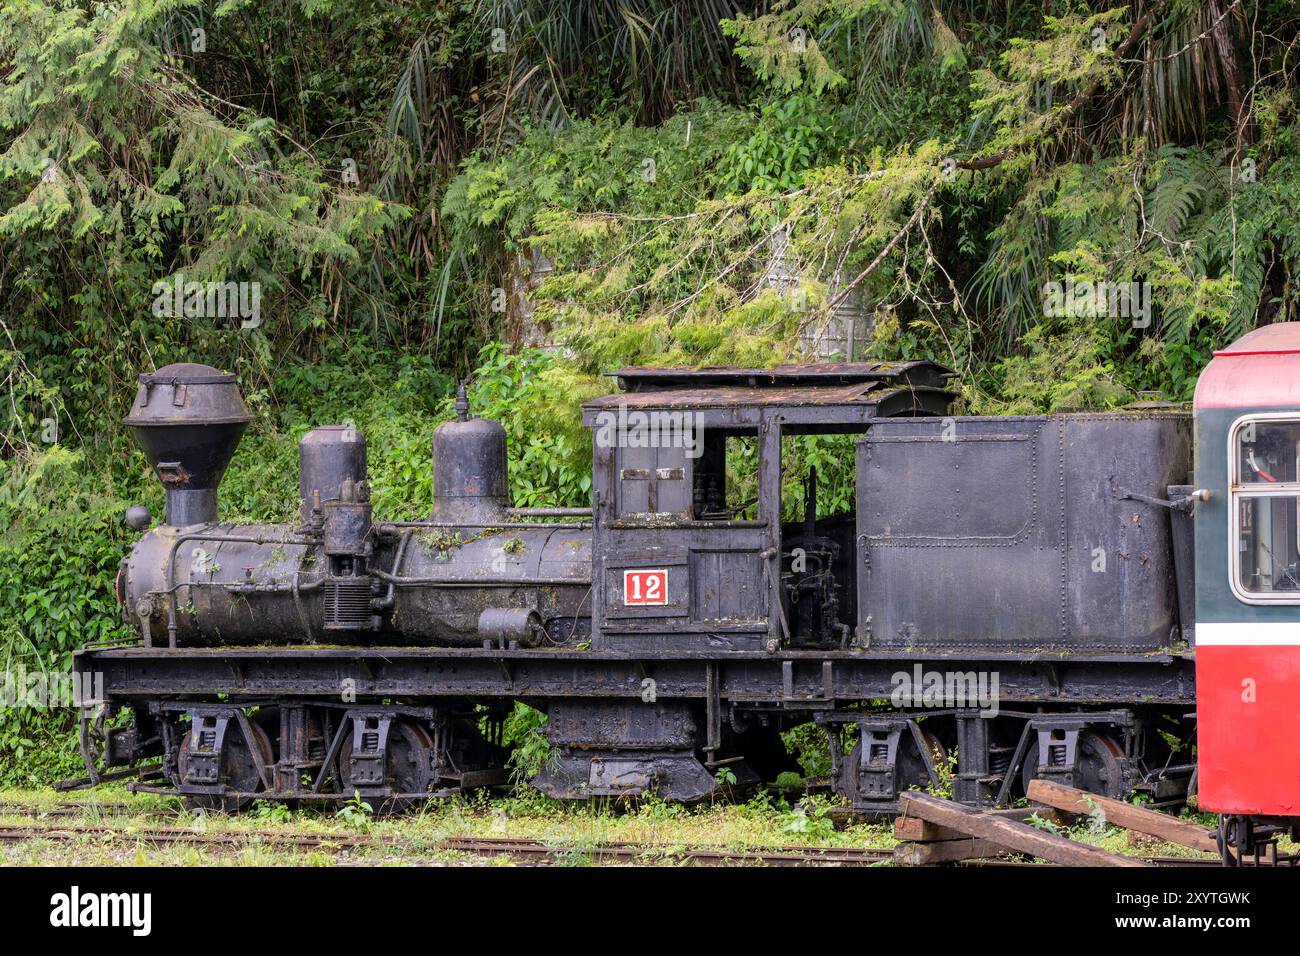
x=1140 y=27
x=921 y=206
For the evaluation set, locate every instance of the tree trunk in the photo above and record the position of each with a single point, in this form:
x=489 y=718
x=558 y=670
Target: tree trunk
x=1226 y=50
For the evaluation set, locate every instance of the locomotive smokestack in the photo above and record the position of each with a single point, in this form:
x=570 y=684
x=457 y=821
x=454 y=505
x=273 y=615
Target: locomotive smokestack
x=469 y=468
x=188 y=420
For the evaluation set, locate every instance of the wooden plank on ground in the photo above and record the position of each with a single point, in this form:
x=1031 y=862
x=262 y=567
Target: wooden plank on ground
x=1008 y=833
x=916 y=830
x=1150 y=822
x=946 y=851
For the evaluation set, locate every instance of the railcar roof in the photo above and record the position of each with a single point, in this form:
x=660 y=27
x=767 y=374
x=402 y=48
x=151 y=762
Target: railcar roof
x=1267 y=339
x=1259 y=370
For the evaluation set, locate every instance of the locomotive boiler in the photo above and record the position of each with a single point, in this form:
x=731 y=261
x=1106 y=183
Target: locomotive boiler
x=467 y=576
x=679 y=625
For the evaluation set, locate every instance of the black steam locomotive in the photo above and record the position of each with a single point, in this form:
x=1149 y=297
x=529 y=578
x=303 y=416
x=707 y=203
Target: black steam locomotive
x=1010 y=598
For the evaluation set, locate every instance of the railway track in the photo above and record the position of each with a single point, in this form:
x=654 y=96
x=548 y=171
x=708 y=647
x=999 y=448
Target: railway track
x=74 y=808
x=641 y=853
x=526 y=851
x=519 y=849
x=166 y=836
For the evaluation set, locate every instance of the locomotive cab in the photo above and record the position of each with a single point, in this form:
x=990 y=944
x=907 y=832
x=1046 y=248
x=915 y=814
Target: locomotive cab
x=691 y=550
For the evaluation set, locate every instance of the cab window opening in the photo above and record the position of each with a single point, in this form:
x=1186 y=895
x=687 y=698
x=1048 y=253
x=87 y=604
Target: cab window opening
x=725 y=477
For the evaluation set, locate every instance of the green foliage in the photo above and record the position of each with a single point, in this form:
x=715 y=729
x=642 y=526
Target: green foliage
x=790 y=139
x=1095 y=821
x=271 y=811
x=1059 y=373
x=654 y=808
x=538 y=401
x=946 y=768
x=780 y=48
x=835 y=461
x=811 y=747
x=1074 y=52
x=356 y=813
x=687 y=271
x=58 y=561
x=646 y=55
x=788 y=780
x=530 y=750
x=1047 y=826
x=810 y=820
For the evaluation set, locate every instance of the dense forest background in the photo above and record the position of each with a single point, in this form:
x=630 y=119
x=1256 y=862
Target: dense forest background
x=533 y=193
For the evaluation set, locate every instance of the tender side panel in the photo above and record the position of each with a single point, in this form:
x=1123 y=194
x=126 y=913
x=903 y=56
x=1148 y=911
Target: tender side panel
x=1019 y=532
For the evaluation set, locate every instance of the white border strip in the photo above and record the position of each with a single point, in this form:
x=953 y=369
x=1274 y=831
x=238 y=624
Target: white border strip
x=1261 y=634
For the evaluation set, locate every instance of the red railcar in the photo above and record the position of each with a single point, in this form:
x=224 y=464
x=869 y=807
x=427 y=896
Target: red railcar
x=1248 y=589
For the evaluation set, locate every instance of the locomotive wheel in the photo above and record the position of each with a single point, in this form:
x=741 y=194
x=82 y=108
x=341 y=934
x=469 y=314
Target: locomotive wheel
x=1098 y=765
x=909 y=765
x=408 y=763
x=1236 y=839
x=239 y=769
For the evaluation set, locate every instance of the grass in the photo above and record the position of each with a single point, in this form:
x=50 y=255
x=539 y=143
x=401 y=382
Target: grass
x=766 y=821
x=416 y=837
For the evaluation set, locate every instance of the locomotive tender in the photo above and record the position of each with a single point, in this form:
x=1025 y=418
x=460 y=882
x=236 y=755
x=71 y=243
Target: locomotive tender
x=671 y=631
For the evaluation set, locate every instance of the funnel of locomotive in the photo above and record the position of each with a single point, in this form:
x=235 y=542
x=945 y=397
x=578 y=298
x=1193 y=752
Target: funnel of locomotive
x=468 y=575
x=188 y=420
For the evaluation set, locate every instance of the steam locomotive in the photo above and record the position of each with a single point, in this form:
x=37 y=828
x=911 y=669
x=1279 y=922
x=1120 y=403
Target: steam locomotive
x=1007 y=598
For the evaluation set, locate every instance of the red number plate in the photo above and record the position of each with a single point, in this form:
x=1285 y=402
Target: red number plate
x=645 y=586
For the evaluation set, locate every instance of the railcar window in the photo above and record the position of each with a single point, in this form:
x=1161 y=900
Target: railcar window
x=1265 y=511
x=1266 y=539
x=1266 y=452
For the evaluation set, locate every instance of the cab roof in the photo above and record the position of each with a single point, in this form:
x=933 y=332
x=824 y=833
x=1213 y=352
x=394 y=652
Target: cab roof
x=814 y=396
x=923 y=373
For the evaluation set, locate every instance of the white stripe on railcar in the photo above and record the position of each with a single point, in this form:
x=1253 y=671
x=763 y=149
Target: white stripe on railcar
x=1240 y=633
